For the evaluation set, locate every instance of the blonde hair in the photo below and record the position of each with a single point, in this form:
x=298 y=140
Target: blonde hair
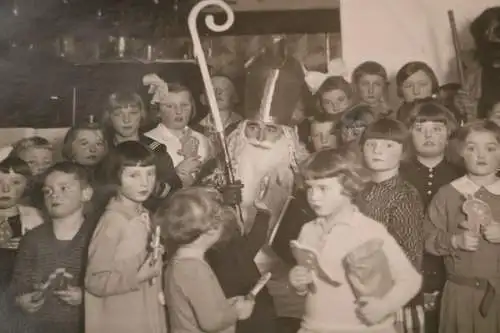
x=191 y=212
x=119 y=100
x=34 y=142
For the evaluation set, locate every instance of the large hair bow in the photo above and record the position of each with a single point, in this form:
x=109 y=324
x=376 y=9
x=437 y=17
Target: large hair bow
x=5 y=152
x=157 y=87
x=315 y=79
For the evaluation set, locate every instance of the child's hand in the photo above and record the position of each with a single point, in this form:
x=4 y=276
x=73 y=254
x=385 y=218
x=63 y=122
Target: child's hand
x=243 y=306
x=300 y=277
x=72 y=295
x=372 y=310
x=466 y=241
x=492 y=232
x=31 y=302
x=189 y=165
x=149 y=269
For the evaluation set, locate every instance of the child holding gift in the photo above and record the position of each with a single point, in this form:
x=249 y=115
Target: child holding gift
x=333 y=179
x=469 y=303
x=195 y=220
x=123 y=288
x=48 y=275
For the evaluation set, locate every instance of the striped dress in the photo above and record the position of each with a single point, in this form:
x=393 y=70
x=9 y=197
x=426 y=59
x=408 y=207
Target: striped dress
x=397 y=205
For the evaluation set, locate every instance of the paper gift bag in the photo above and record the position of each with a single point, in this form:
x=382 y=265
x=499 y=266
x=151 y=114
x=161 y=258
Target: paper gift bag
x=367 y=270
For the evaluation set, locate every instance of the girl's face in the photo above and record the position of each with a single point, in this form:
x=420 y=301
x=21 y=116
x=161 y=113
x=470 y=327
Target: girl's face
x=137 y=182
x=325 y=196
x=322 y=135
x=371 y=89
x=176 y=110
x=89 y=147
x=12 y=186
x=382 y=155
x=494 y=115
x=335 y=101
x=417 y=86
x=126 y=121
x=64 y=194
x=481 y=153
x=429 y=138
x=38 y=159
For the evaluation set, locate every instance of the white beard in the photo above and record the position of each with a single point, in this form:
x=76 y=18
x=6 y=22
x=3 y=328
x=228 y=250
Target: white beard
x=254 y=163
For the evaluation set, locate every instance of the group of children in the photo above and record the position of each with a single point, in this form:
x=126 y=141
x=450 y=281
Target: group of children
x=80 y=249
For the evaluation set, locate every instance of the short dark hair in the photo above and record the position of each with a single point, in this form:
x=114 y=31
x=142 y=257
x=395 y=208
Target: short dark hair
x=340 y=162
x=359 y=113
x=483 y=125
x=369 y=68
x=424 y=111
x=14 y=164
x=411 y=68
x=70 y=168
x=126 y=154
x=387 y=129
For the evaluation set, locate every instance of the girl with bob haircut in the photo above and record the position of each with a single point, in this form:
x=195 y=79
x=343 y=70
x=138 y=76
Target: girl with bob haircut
x=334 y=96
x=122 y=287
x=470 y=248
x=416 y=80
x=334 y=178
x=195 y=220
x=370 y=82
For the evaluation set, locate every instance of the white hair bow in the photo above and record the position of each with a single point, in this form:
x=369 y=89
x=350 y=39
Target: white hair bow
x=315 y=79
x=5 y=152
x=157 y=87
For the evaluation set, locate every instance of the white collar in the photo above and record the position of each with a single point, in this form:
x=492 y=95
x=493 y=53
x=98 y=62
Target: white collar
x=467 y=187
x=161 y=133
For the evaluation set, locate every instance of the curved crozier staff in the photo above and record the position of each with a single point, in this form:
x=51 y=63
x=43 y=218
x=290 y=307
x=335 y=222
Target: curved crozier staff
x=199 y=55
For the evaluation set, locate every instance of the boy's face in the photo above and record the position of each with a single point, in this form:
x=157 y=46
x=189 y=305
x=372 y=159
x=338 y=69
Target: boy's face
x=382 y=155
x=322 y=135
x=89 y=147
x=371 y=88
x=417 y=86
x=481 y=153
x=38 y=159
x=495 y=114
x=335 y=101
x=12 y=186
x=325 y=196
x=64 y=194
x=224 y=92
x=176 y=109
x=138 y=182
x=126 y=121
x=429 y=138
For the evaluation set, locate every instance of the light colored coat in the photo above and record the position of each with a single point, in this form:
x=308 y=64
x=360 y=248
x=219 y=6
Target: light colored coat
x=115 y=301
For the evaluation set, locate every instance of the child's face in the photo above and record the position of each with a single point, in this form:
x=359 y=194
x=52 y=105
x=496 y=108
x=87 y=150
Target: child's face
x=481 y=153
x=89 y=147
x=224 y=92
x=429 y=138
x=494 y=115
x=322 y=135
x=126 y=121
x=371 y=88
x=325 y=196
x=352 y=132
x=64 y=194
x=335 y=101
x=138 y=182
x=382 y=155
x=38 y=159
x=175 y=111
x=417 y=86
x=12 y=186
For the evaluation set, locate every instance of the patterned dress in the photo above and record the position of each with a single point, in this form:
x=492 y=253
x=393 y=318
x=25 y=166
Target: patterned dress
x=397 y=205
x=469 y=303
